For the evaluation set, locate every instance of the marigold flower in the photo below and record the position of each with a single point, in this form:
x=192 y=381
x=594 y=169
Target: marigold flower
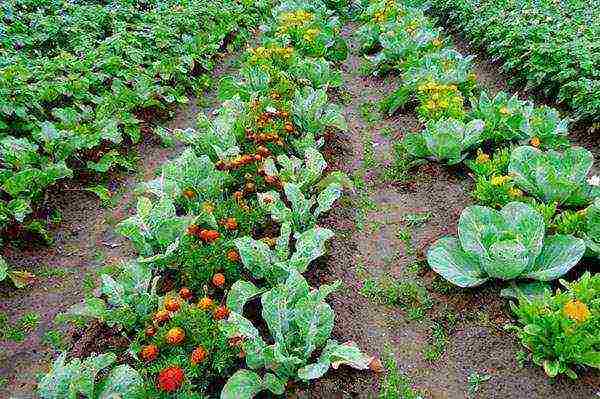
x=499 y=180
x=515 y=192
x=576 y=311
x=504 y=111
x=535 y=141
x=482 y=158
x=170 y=379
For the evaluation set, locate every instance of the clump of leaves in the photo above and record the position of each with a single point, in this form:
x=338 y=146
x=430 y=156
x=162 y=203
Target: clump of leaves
x=561 y=330
x=506 y=245
x=299 y=322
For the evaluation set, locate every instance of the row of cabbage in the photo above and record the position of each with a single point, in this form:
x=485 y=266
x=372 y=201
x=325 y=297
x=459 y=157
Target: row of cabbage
x=538 y=210
x=232 y=221
x=78 y=78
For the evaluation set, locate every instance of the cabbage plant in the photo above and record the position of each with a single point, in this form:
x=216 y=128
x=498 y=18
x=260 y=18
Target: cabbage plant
x=506 y=245
x=299 y=323
x=445 y=140
x=304 y=211
x=276 y=264
x=79 y=378
x=553 y=176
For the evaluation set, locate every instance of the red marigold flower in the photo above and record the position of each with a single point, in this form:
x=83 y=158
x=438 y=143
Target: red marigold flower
x=170 y=379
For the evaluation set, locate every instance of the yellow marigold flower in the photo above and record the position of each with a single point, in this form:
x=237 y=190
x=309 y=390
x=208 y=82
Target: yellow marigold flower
x=436 y=42
x=576 y=311
x=535 y=142
x=499 y=180
x=504 y=111
x=482 y=158
x=208 y=207
x=515 y=192
x=430 y=104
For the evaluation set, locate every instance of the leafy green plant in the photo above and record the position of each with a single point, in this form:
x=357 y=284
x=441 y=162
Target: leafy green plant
x=561 y=330
x=446 y=140
x=275 y=265
x=506 y=245
x=156 y=229
x=128 y=298
x=542 y=45
x=552 y=176
x=300 y=323
x=504 y=116
x=69 y=380
x=304 y=211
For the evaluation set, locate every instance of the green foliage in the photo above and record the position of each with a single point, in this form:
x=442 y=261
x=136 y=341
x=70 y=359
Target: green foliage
x=300 y=323
x=505 y=244
x=561 y=330
x=552 y=176
x=544 y=45
x=446 y=140
x=69 y=380
x=101 y=66
x=128 y=298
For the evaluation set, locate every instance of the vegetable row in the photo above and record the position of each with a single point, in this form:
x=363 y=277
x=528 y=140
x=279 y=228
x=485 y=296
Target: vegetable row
x=537 y=211
x=549 y=47
x=216 y=298
x=78 y=79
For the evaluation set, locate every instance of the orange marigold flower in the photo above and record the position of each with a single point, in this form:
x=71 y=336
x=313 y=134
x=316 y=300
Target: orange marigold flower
x=170 y=379
x=576 y=311
x=535 y=142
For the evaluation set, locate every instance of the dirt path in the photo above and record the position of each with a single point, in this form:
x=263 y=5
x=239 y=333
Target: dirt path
x=392 y=304
x=85 y=241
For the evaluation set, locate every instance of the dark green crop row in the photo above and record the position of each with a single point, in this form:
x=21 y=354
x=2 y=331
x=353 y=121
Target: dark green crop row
x=550 y=46
x=77 y=77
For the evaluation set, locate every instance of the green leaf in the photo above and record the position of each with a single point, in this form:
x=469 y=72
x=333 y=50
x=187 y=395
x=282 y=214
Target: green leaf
x=240 y=293
x=256 y=256
x=244 y=384
x=309 y=246
x=559 y=255
x=551 y=367
x=591 y=359
x=334 y=355
x=122 y=382
x=446 y=258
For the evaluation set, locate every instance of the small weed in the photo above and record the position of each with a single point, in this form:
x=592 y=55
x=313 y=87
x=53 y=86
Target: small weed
x=54 y=339
x=521 y=357
x=437 y=347
x=399 y=170
x=19 y=331
x=395 y=385
x=475 y=380
x=369 y=112
x=408 y=295
x=49 y=272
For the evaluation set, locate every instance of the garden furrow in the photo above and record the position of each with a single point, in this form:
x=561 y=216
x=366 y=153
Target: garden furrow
x=442 y=338
x=84 y=243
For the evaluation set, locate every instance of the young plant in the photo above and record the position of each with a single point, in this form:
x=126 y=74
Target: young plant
x=562 y=330
x=128 y=298
x=504 y=116
x=70 y=380
x=446 y=140
x=506 y=245
x=299 y=323
x=303 y=214
x=276 y=265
